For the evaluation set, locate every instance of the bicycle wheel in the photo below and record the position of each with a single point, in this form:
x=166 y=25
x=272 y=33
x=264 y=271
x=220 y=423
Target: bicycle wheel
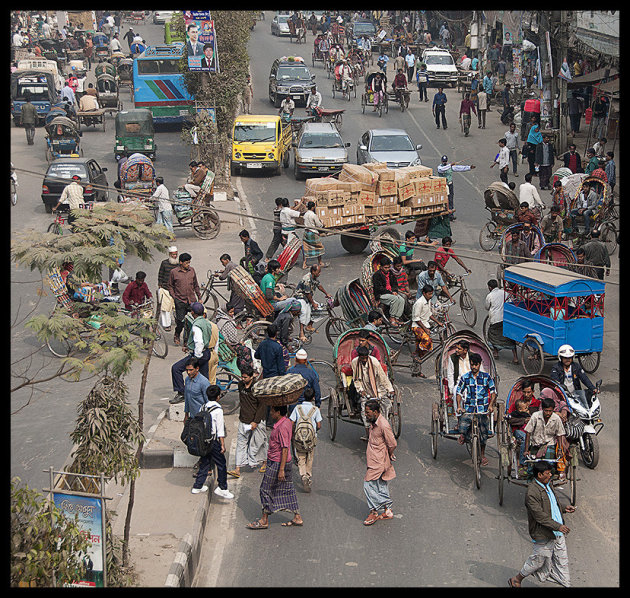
x=327 y=377
x=333 y=413
x=212 y=304
x=334 y=328
x=501 y=477
x=228 y=381
x=256 y=333
x=488 y=237
x=395 y=415
x=55 y=228
x=467 y=306
x=608 y=236
x=160 y=346
x=589 y=361
x=532 y=357
x=434 y=430
x=486 y=326
x=475 y=450
x=59 y=347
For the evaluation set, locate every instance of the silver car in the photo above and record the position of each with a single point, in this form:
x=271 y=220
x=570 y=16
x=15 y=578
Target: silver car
x=393 y=146
x=319 y=150
x=280 y=25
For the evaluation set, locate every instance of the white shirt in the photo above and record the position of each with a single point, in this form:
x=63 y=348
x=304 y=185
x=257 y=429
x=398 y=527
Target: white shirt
x=314 y=100
x=198 y=340
x=410 y=59
x=311 y=219
x=162 y=195
x=464 y=367
x=528 y=193
x=421 y=312
x=287 y=218
x=287 y=105
x=304 y=408
x=218 y=421
x=504 y=157
x=494 y=304
x=115 y=45
x=466 y=63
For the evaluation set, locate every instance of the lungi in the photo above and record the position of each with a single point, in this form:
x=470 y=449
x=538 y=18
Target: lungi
x=251 y=445
x=496 y=338
x=423 y=340
x=377 y=494
x=313 y=246
x=276 y=495
x=549 y=560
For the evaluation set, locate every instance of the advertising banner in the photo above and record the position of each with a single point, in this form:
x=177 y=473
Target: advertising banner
x=91 y=521
x=201 y=41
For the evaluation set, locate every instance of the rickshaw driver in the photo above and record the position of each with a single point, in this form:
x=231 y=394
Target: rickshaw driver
x=476 y=393
x=434 y=279
x=371 y=382
x=442 y=256
x=571 y=375
x=531 y=240
x=314 y=101
x=399 y=84
x=459 y=364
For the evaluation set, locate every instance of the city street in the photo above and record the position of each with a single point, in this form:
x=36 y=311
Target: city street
x=445 y=531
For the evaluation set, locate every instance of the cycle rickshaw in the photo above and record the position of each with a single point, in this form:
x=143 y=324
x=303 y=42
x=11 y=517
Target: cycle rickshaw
x=105 y=68
x=318 y=55
x=508 y=444
x=546 y=307
x=502 y=204
x=400 y=96
x=62 y=139
x=297 y=31
x=556 y=254
x=101 y=46
x=107 y=88
x=536 y=243
x=367 y=97
x=345 y=87
x=339 y=404
x=443 y=413
x=124 y=71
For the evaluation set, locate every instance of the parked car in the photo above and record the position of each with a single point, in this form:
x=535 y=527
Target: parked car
x=161 y=16
x=393 y=146
x=60 y=173
x=319 y=150
x=280 y=25
x=289 y=77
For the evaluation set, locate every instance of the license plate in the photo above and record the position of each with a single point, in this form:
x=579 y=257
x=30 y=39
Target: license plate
x=254 y=165
x=323 y=168
x=296 y=97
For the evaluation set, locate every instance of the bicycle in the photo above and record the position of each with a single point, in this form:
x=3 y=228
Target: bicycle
x=209 y=292
x=466 y=302
x=56 y=226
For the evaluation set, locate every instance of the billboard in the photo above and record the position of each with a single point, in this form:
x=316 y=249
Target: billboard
x=201 y=41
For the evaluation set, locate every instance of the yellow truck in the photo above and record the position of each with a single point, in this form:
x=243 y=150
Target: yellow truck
x=260 y=141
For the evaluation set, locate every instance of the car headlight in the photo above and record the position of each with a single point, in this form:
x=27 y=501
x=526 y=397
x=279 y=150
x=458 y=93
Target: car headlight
x=416 y=162
x=237 y=155
x=270 y=156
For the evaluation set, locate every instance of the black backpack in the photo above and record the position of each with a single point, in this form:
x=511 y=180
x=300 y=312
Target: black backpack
x=197 y=434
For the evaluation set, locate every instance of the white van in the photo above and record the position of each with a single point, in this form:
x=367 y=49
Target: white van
x=41 y=64
x=441 y=68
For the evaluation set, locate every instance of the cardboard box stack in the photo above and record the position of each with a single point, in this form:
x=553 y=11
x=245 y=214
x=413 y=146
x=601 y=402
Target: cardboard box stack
x=373 y=192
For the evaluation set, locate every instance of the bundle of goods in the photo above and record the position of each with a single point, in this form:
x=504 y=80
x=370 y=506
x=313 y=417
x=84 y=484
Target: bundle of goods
x=279 y=390
x=246 y=288
x=289 y=255
x=372 y=193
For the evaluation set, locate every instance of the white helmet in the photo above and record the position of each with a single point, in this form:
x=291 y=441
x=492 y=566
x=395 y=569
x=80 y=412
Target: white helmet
x=566 y=351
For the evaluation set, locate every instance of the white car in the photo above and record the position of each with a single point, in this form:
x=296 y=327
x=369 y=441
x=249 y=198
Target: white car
x=441 y=68
x=161 y=16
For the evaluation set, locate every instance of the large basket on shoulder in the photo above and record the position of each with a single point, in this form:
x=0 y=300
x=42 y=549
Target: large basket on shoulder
x=290 y=254
x=246 y=288
x=279 y=390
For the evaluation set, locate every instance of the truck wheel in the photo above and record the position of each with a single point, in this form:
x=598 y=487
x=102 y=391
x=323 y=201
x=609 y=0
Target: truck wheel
x=276 y=101
x=296 y=173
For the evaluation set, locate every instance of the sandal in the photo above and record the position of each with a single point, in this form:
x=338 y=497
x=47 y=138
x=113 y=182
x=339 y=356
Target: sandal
x=371 y=518
x=484 y=461
x=292 y=523
x=234 y=474
x=256 y=525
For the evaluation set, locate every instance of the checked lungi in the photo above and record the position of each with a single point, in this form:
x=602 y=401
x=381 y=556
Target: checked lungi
x=313 y=247
x=276 y=495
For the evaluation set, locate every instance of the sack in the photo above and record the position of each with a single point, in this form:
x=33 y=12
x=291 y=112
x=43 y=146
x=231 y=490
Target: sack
x=304 y=436
x=197 y=434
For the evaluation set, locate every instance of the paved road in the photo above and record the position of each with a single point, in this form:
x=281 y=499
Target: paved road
x=445 y=533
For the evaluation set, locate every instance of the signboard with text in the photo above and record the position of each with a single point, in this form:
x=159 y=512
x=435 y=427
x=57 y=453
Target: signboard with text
x=201 y=41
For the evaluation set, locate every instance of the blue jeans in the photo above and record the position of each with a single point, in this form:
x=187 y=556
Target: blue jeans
x=520 y=435
x=587 y=218
x=206 y=462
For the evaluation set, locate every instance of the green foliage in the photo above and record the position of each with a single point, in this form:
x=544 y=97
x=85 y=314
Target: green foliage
x=41 y=541
x=107 y=434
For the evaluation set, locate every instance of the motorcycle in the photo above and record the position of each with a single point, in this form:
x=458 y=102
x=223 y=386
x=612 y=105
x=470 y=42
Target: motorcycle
x=584 y=423
x=507 y=116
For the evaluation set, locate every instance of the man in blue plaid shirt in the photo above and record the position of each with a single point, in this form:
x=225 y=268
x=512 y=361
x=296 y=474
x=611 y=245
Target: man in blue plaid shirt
x=476 y=393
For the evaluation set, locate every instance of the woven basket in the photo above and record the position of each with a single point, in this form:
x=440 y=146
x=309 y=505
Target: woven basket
x=279 y=390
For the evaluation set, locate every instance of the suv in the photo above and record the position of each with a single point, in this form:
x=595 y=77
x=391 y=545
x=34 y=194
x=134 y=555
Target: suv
x=363 y=28
x=441 y=68
x=319 y=149
x=289 y=77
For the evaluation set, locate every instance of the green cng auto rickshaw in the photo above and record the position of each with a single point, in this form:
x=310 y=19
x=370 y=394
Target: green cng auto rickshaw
x=135 y=133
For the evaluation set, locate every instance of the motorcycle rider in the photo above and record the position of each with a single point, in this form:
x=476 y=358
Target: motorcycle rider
x=570 y=374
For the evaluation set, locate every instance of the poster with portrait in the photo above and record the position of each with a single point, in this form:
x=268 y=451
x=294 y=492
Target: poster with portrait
x=201 y=41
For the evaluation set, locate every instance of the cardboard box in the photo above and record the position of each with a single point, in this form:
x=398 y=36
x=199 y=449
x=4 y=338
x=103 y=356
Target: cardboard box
x=349 y=186
x=355 y=173
x=387 y=188
x=335 y=212
x=405 y=192
x=401 y=178
x=386 y=174
x=405 y=211
x=348 y=220
x=416 y=172
x=359 y=218
x=322 y=212
x=375 y=166
x=320 y=184
x=349 y=209
x=367 y=198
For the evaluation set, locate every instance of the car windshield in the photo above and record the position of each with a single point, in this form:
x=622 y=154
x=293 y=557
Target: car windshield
x=320 y=140
x=439 y=59
x=363 y=29
x=293 y=73
x=283 y=19
x=67 y=171
x=391 y=143
x=39 y=93
x=255 y=133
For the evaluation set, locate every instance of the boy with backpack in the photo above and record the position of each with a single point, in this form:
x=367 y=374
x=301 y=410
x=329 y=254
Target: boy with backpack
x=204 y=435
x=307 y=420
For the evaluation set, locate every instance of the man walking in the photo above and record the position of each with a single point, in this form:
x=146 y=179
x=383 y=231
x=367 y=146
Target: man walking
x=464 y=113
x=184 y=289
x=549 y=559
x=439 y=107
x=422 y=79
x=307 y=421
x=512 y=139
x=29 y=118
x=410 y=59
x=494 y=304
x=544 y=158
x=503 y=160
x=380 y=470
x=164 y=206
x=164 y=297
x=482 y=106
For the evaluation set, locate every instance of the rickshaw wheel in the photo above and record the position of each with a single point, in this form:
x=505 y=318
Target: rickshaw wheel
x=501 y=477
x=468 y=308
x=589 y=361
x=333 y=413
x=206 y=224
x=487 y=236
x=609 y=237
x=486 y=326
x=256 y=332
x=160 y=347
x=572 y=477
x=434 y=430
x=475 y=452
x=211 y=302
x=395 y=414
x=334 y=328
x=532 y=358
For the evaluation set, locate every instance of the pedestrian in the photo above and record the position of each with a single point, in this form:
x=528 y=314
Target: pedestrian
x=493 y=56
x=501 y=69
x=422 y=79
x=527 y=193
x=439 y=107
x=464 y=113
x=611 y=171
x=137 y=291
x=201 y=340
x=248 y=95
x=217 y=448
x=164 y=205
x=549 y=559
x=513 y=143
x=503 y=160
x=277 y=492
x=482 y=106
x=380 y=469
x=195 y=388
x=410 y=60
x=601 y=105
x=488 y=86
x=494 y=305
x=287 y=219
x=253 y=255
x=277 y=239
x=72 y=196
x=114 y=45
x=312 y=244
x=29 y=118
x=270 y=354
x=534 y=139
x=251 y=438
x=595 y=253
x=129 y=36
x=574 y=108
x=184 y=289
x=593 y=161
x=88 y=50
x=307 y=421
x=310 y=375
x=164 y=297
x=572 y=159
x=544 y=159
x=446 y=170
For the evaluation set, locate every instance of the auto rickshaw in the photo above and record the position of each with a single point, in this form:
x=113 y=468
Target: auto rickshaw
x=62 y=139
x=101 y=45
x=136 y=175
x=107 y=89
x=104 y=68
x=135 y=133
